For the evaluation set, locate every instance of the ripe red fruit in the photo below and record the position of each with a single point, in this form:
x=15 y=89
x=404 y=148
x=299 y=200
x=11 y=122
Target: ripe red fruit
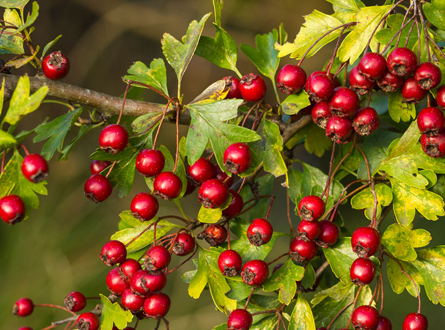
x=291 y=79
x=97 y=188
x=239 y=319
x=320 y=87
x=311 y=208
x=366 y=121
x=331 y=76
x=365 y=241
x=252 y=88
x=23 y=307
x=201 y=171
x=25 y=328
x=167 y=185
x=411 y=91
x=75 y=301
x=235 y=206
x=362 y=271
x=184 y=245
x=132 y=302
x=344 y=102
x=365 y=318
x=98 y=166
x=402 y=62
x=127 y=268
x=259 y=232
x=255 y=272
x=237 y=158
x=339 y=129
x=136 y=284
x=308 y=230
x=232 y=84
x=359 y=83
x=113 y=138
x=222 y=176
x=302 y=251
x=144 y=206
x=213 y=194
x=440 y=98
x=428 y=75
x=12 y=209
x=150 y=162
x=431 y=121
x=214 y=235
x=157 y=305
x=157 y=258
x=390 y=83
x=56 y=65
x=321 y=114
x=152 y=283
x=415 y=321
x=384 y=324
x=35 y=168
x=372 y=66
x=113 y=252
x=229 y=263
x=88 y=321
x=328 y=235
x=433 y=146
x=115 y=283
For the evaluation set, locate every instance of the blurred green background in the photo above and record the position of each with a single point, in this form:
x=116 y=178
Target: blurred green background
x=56 y=251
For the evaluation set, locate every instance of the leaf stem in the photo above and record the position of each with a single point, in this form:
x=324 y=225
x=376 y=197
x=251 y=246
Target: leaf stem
x=133 y=82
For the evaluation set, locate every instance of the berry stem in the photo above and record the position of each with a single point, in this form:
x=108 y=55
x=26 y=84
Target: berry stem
x=353 y=305
x=289 y=219
x=345 y=79
x=409 y=32
x=328 y=181
x=278 y=258
x=185 y=261
x=142 y=232
x=248 y=298
x=123 y=104
x=177 y=139
x=132 y=82
x=437 y=46
x=248 y=113
x=25 y=149
x=399 y=33
x=272 y=198
x=160 y=124
x=418 y=36
x=403 y=22
x=166 y=323
x=376 y=290
x=55 y=306
x=331 y=62
x=381 y=289
x=111 y=168
x=338 y=314
x=228 y=235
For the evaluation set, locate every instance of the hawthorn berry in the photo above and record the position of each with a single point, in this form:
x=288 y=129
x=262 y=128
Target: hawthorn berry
x=235 y=206
x=229 y=263
x=144 y=206
x=309 y=230
x=213 y=194
x=365 y=241
x=339 y=129
x=237 y=158
x=113 y=138
x=136 y=284
x=152 y=283
x=184 y=244
x=223 y=177
x=150 y=162
x=214 y=235
x=440 y=98
x=359 y=83
x=365 y=318
x=115 y=283
x=320 y=87
x=167 y=185
x=303 y=251
x=362 y=271
x=344 y=102
x=88 y=321
x=25 y=328
x=35 y=168
x=415 y=321
x=157 y=258
x=291 y=79
x=97 y=188
x=113 y=252
x=252 y=88
x=233 y=84
x=331 y=76
x=12 y=209
x=98 y=166
x=201 y=171
x=311 y=208
x=56 y=65
x=23 y=307
x=372 y=66
x=402 y=62
x=389 y=83
x=433 y=146
x=428 y=75
x=366 y=121
x=411 y=91
x=321 y=114
x=127 y=268
x=329 y=234
x=259 y=232
x=75 y=301
x=239 y=319
x=131 y=301
x=157 y=305
x=431 y=121
x=384 y=324
x=255 y=272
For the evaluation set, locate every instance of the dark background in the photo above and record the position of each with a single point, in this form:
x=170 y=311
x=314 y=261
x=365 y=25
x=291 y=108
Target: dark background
x=56 y=250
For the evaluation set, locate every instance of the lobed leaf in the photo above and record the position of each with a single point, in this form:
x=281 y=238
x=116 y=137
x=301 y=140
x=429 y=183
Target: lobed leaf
x=365 y=200
x=401 y=241
x=399 y=110
x=315 y=140
x=435 y=13
x=113 y=314
x=155 y=76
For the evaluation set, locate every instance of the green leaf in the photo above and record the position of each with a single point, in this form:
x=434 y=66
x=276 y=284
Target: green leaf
x=208 y=215
x=82 y=132
x=346 y=10
x=295 y=179
x=218 y=7
x=18 y=63
x=365 y=200
x=399 y=110
x=315 y=140
x=350 y=164
x=399 y=281
x=401 y=241
x=6 y=140
x=22 y=103
x=55 y=131
x=141 y=123
x=302 y=318
x=394 y=23
x=238 y=289
x=113 y=314
x=179 y=54
x=30 y=19
x=13 y=3
x=435 y=13
x=215 y=92
x=155 y=76
x=355 y=42
x=9 y=43
x=49 y=45
x=265 y=185
x=282 y=34
x=295 y=102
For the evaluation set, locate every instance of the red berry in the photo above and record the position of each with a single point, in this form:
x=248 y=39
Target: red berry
x=372 y=66
x=320 y=87
x=428 y=75
x=144 y=206
x=201 y=171
x=136 y=285
x=115 y=283
x=127 y=268
x=365 y=318
x=155 y=282
x=87 y=321
x=321 y=114
x=35 y=168
x=184 y=245
x=431 y=121
x=433 y=146
x=339 y=129
x=167 y=185
x=229 y=263
x=75 y=301
x=237 y=158
x=302 y=251
x=411 y=91
x=25 y=328
x=157 y=258
x=239 y=319
x=415 y=321
x=132 y=302
x=390 y=83
x=213 y=194
x=113 y=252
x=235 y=206
x=344 y=102
x=113 y=138
x=56 y=65
x=23 y=307
x=311 y=208
x=98 y=166
x=359 y=83
x=252 y=88
x=255 y=272
x=366 y=121
x=150 y=162
x=440 y=98
x=308 y=230
x=157 y=305
x=12 y=209
x=331 y=76
x=362 y=271
x=365 y=241
x=328 y=235
x=384 y=324
x=402 y=62
x=234 y=87
x=97 y=188
x=222 y=176
x=259 y=232
x=291 y=79
x=214 y=235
